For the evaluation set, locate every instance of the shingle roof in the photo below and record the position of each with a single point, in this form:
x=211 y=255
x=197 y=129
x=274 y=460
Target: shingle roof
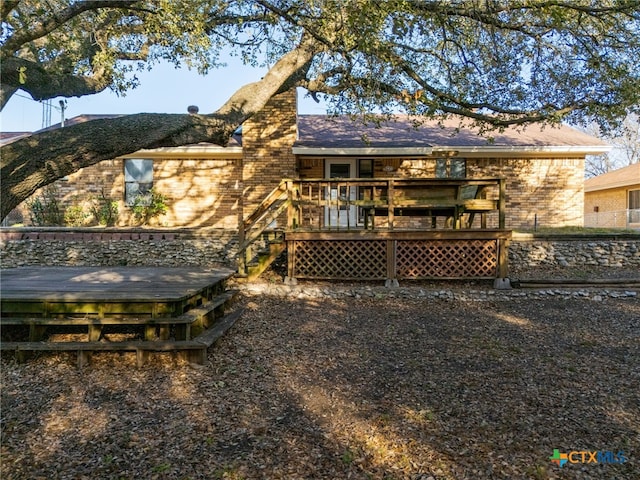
x=344 y=132
x=623 y=177
x=10 y=137
x=80 y=119
x=234 y=141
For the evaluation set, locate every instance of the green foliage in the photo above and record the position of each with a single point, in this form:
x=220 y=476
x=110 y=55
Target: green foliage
x=45 y=210
x=75 y=216
x=507 y=62
x=104 y=210
x=348 y=457
x=149 y=206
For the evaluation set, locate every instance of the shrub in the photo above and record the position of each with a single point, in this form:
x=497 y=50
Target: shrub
x=104 y=210
x=149 y=206
x=45 y=210
x=75 y=216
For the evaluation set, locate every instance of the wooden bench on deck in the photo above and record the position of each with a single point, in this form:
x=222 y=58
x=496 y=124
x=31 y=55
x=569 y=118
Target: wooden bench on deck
x=449 y=201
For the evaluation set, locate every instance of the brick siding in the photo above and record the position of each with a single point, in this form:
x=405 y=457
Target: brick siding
x=214 y=193
x=267 y=139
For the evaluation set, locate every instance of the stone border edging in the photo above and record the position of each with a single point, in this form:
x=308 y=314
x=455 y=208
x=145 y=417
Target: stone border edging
x=418 y=293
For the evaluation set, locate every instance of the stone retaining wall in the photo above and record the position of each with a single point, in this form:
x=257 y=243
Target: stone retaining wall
x=109 y=247
x=527 y=251
x=96 y=247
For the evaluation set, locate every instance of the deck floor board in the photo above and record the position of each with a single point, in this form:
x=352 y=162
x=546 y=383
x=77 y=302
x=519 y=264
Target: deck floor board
x=100 y=284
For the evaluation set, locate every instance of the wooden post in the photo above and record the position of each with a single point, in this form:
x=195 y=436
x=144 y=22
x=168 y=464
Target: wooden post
x=502 y=282
x=503 y=257
x=36 y=332
x=501 y=204
x=149 y=332
x=392 y=272
x=142 y=357
x=290 y=279
x=390 y=195
x=83 y=358
x=241 y=259
x=290 y=208
x=94 y=332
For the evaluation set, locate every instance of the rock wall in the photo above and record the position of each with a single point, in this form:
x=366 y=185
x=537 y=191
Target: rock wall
x=108 y=247
x=622 y=251
x=92 y=247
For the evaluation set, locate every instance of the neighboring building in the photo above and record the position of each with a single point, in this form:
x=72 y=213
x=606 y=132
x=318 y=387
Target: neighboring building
x=613 y=199
x=208 y=186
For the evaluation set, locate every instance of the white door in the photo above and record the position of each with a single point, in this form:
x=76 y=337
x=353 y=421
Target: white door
x=336 y=213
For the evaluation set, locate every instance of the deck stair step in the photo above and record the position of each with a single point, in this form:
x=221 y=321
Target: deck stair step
x=264 y=259
x=207 y=322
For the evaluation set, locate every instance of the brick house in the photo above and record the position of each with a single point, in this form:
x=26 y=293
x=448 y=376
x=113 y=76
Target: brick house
x=206 y=185
x=515 y=178
x=613 y=199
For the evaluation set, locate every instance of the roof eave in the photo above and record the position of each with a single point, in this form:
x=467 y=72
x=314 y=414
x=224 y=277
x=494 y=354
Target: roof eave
x=524 y=151
x=363 y=151
x=611 y=186
x=462 y=151
x=188 y=151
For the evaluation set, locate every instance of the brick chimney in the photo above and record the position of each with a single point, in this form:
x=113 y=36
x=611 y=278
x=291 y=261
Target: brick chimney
x=267 y=142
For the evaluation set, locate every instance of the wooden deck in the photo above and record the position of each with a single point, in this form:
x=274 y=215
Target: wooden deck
x=175 y=309
x=107 y=284
x=381 y=228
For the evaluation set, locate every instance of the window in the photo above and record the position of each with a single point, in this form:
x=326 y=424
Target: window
x=451 y=168
x=365 y=168
x=634 y=199
x=138 y=179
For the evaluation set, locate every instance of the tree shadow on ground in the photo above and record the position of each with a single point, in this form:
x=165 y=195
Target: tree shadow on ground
x=346 y=388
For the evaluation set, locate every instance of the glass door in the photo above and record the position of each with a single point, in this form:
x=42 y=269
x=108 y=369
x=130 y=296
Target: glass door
x=337 y=212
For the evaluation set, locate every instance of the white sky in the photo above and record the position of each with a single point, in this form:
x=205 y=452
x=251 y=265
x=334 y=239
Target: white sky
x=162 y=90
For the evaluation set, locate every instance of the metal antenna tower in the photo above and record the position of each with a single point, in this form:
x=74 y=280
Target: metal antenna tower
x=46 y=113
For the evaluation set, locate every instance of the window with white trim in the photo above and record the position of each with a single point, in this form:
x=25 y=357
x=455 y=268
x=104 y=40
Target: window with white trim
x=138 y=179
x=634 y=199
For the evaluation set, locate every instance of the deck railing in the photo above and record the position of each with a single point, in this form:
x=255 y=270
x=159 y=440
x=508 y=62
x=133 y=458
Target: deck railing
x=373 y=207
x=394 y=203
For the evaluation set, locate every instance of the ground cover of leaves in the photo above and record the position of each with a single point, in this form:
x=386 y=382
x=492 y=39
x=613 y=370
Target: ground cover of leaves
x=359 y=388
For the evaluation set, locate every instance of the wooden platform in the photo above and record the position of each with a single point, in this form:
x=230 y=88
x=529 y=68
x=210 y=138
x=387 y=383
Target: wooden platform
x=153 y=284
x=175 y=309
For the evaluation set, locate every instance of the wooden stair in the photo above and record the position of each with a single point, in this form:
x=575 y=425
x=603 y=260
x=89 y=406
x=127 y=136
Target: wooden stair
x=194 y=332
x=275 y=245
x=257 y=229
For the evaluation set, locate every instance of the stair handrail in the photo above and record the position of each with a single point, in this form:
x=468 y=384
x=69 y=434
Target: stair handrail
x=268 y=204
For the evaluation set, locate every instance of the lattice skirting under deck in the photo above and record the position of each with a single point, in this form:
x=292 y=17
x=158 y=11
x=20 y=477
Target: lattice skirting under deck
x=446 y=259
x=340 y=259
x=401 y=259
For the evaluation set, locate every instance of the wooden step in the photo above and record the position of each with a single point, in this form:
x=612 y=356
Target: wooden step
x=206 y=322
x=256 y=269
x=194 y=350
x=189 y=317
x=210 y=336
x=191 y=322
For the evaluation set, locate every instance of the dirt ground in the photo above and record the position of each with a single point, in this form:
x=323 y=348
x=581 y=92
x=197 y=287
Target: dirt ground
x=338 y=388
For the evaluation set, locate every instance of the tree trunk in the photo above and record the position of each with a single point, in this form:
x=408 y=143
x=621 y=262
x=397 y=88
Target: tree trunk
x=36 y=161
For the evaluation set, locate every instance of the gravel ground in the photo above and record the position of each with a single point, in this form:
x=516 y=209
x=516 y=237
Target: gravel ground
x=376 y=387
